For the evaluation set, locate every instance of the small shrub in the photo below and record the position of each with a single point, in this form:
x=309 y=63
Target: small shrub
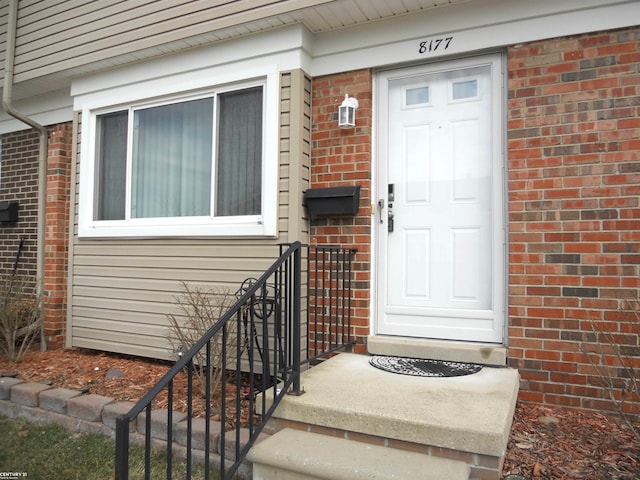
x=200 y=309
x=20 y=316
x=617 y=365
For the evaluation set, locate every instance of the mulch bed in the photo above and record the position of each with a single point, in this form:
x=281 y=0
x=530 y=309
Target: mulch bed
x=545 y=442
x=86 y=371
x=554 y=443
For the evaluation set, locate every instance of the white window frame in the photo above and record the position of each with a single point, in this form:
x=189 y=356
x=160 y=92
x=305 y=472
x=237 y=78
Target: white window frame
x=262 y=225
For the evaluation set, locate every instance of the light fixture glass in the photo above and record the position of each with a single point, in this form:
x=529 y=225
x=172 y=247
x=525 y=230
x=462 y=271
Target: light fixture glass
x=347 y=112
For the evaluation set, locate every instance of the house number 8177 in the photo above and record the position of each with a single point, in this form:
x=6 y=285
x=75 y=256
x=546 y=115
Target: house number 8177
x=430 y=46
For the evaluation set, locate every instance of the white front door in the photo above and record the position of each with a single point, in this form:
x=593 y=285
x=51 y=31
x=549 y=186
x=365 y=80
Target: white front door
x=440 y=224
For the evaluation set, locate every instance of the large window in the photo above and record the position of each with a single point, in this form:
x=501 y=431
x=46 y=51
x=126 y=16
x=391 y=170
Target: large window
x=195 y=161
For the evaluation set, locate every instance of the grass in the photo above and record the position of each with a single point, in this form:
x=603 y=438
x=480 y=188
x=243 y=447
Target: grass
x=49 y=451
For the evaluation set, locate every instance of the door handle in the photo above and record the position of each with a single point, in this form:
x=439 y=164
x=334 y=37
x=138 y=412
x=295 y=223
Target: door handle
x=389 y=214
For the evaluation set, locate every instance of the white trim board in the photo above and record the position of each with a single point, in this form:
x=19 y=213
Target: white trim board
x=46 y=110
x=474 y=27
x=215 y=64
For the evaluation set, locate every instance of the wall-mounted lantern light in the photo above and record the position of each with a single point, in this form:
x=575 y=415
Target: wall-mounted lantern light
x=347 y=112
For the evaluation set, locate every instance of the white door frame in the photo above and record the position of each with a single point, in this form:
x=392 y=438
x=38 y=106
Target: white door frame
x=499 y=253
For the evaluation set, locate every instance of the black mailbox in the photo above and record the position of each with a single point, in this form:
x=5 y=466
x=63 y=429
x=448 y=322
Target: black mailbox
x=8 y=211
x=333 y=200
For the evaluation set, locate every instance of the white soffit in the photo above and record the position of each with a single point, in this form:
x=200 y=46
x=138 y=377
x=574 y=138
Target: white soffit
x=346 y=13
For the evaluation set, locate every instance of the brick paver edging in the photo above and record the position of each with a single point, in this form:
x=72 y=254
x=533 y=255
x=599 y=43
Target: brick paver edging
x=95 y=414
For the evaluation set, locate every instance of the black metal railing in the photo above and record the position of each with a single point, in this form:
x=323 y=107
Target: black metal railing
x=263 y=341
x=329 y=295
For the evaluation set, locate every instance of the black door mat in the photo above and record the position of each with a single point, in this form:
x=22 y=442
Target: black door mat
x=423 y=368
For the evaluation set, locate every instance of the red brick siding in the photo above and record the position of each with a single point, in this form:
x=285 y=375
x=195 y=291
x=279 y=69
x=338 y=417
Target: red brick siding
x=342 y=157
x=57 y=236
x=574 y=216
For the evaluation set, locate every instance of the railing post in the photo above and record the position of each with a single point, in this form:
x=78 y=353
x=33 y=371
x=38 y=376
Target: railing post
x=122 y=448
x=297 y=330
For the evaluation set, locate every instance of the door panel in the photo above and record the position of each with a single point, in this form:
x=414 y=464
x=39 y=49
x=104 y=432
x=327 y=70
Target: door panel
x=417 y=278
x=440 y=264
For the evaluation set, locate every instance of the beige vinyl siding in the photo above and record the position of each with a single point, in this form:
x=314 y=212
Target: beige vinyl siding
x=295 y=141
x=130 y=285
x=122 y=289
x=295 y=147
x=58 y=35
x=4 y=15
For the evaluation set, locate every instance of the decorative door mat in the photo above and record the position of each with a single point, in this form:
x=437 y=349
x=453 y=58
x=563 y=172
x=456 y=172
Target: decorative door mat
x=423 y=368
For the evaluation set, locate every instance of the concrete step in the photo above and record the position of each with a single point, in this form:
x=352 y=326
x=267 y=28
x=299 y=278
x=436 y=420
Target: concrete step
x=452 y=351
x=297 y=455
x=464 y=418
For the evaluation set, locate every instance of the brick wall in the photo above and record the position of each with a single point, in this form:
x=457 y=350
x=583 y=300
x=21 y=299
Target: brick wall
x=19 y=182
x=57 y=236
x=574 y=216
x=342 y=157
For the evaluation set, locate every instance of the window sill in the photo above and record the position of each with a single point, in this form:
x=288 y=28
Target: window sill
x=241 y=227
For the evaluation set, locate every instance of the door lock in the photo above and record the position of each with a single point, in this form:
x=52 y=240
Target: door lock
x=381 y=204
x=390 y=199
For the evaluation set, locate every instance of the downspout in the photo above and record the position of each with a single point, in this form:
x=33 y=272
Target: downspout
x=7 y=106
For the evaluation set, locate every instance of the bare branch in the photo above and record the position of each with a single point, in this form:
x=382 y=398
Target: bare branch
x=20 y=316
x=199 y=310
x=616 y=368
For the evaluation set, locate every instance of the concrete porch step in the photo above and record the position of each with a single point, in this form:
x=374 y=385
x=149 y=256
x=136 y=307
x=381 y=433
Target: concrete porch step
x=297 y=455
x=460 y=418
